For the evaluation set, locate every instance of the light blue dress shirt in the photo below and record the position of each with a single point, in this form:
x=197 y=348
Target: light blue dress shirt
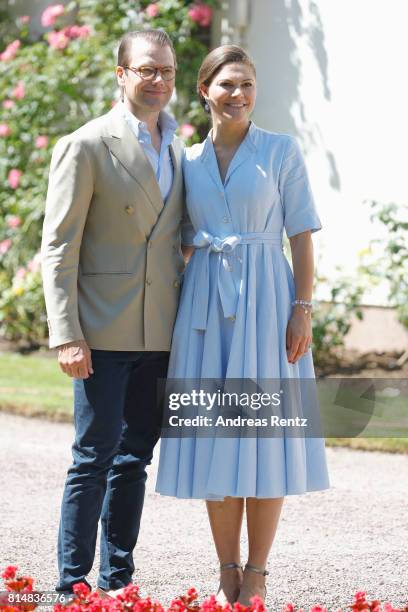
x=161 y=163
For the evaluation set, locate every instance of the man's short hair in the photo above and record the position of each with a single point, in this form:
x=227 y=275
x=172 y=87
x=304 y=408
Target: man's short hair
x=158 y=37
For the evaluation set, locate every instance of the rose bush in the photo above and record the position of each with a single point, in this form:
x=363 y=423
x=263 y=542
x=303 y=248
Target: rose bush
x=84 y=600
x=51 y=86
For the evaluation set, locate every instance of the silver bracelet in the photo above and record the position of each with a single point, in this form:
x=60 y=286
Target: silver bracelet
x=307 y=306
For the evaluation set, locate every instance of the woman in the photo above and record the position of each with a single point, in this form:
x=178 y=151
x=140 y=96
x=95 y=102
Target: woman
x=242 y=315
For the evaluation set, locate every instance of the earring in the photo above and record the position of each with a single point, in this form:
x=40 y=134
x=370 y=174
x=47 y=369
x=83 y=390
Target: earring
x=207 y=107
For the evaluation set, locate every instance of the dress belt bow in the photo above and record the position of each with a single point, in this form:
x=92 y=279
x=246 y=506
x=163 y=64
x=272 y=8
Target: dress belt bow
x=224 y=280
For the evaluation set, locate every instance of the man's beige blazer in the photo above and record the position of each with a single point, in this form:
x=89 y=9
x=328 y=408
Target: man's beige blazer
x=111 y=257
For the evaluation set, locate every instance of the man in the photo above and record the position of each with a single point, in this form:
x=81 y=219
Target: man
x=111 y=270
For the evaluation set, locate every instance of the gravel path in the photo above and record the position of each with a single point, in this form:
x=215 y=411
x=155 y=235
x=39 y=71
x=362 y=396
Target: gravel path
x=329 y=544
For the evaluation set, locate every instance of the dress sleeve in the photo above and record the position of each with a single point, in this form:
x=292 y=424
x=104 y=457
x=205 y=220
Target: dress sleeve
x=299 y=208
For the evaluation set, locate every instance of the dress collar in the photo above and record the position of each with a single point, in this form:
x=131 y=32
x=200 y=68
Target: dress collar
x=248 y=141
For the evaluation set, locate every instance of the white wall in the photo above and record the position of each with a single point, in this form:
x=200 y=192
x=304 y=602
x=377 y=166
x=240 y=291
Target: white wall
x=333 y=73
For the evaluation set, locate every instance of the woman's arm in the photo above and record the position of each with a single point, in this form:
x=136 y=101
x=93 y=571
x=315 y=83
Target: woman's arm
x=299 y=329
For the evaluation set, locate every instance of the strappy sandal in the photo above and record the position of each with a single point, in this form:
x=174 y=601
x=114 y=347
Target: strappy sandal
x=228 y=566
x=261 y=572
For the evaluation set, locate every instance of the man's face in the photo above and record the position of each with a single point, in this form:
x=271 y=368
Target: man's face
x=142 y=95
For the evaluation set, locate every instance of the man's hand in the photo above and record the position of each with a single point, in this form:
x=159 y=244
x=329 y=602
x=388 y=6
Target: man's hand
x=75 y=359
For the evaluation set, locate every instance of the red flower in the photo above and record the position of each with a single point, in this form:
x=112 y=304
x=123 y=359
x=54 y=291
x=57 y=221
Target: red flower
x=25 y=19
x=258 y=604
x=10 y=571
x=81 y=589
x=201 y=14
x=8 y=104
x=360 y=597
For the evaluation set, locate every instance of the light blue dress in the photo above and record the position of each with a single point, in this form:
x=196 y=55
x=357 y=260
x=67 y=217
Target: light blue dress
x=234 y=309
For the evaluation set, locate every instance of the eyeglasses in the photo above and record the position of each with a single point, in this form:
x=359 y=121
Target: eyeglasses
x=149 y=73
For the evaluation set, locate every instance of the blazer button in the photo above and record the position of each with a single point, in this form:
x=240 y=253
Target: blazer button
x=176 y=284
x=148 y=281
x=225 y=219
x=130 y=210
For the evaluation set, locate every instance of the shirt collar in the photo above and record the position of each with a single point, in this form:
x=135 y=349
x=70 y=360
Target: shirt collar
x=167 y=123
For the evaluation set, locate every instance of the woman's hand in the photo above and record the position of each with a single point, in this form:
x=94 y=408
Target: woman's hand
x=298 y=334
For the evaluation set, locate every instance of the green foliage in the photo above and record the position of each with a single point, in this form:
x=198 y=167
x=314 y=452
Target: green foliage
x=47 y=92
x=332 y=321
x=391 y=262
x=22 y=308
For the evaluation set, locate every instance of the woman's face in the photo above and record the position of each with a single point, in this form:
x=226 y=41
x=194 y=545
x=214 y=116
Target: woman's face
x=231 y=94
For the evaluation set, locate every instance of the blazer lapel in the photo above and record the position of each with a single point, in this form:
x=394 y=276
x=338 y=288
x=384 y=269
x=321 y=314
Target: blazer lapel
x=174 y=154
x=123 y=144
x=169 y=210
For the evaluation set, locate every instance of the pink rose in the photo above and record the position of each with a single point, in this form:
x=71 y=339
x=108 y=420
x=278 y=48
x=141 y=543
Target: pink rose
x=19 y=91
x=5 y=245
x=21 y=273
x=58 y=40
x=8 y=104
x=35 y=263
x=13 y=222
x=4 y=129
x=187 y=130
x=51 y=14
x=152 y=10
x=85 y=31
x=10 y=51
x=41 y=142
x=201 y=14
x=25 y=19
x=76 y=31
x=14 y=177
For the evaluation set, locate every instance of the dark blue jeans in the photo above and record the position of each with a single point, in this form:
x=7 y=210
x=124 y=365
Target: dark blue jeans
x=117 y=424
